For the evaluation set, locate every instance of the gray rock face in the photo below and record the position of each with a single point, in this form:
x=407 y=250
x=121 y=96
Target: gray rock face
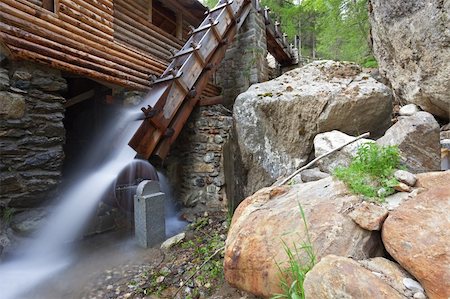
x=31 y=134
x=271 y=216
x=28 y=222
x=411 y=43
x=417 y=138
x=277 y=120
x=328 y=141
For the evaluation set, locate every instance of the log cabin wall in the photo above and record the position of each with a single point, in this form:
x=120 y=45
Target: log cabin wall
x=118 y=42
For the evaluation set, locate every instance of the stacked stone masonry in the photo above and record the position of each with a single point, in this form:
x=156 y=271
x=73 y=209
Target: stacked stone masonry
x=195 y=165
x=245 y=61
x=32 y=133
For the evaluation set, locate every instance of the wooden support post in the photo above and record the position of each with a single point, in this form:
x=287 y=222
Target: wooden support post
x=179 y=30
x=150 y=11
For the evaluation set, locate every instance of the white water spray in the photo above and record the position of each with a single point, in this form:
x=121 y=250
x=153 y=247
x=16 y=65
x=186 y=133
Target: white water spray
x=48 y=253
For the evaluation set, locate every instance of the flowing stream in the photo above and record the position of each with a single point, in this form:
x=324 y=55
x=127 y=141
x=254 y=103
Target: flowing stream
x=50 y=251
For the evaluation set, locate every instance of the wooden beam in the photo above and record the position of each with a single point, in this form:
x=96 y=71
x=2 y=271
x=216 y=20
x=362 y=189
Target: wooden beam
x=179 y=30
x=80 y=98
x=208 y=101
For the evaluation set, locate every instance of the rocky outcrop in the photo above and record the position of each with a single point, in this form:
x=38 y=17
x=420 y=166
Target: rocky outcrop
x=417 y=138
x=277 y=120
x=271 y=217
x=417 y=236
x=411 y=44
x=341 y=277
x=32 y=134
x=325 y=142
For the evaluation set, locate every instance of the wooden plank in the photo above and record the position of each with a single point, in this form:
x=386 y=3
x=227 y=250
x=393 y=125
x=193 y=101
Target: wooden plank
x=80 y=98
x=208 y=101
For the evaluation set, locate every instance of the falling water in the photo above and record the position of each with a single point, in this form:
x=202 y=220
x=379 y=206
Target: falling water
x=48 y=253
x=173 y=223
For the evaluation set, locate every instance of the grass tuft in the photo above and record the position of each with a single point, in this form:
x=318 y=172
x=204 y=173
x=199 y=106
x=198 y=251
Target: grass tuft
x=371 y=172
x=293 y=276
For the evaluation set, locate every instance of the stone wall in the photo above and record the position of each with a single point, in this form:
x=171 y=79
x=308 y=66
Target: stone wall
x=245 y=61
x=195 y=164
x=31 y=133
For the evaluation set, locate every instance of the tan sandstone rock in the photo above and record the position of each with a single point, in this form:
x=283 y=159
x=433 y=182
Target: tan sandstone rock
x=369 y=215
x=341 y=277
x=417 y=236
x=271 y=216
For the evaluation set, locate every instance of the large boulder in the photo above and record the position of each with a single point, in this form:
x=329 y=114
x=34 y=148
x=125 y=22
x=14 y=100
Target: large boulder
x=341 y=277
x=277 y=120
x=417 y=236
x=411 y=44
x=266 y=222
x=417 y=138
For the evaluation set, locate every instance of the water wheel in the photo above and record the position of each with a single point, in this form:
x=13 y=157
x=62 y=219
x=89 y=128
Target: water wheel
x=121 y=194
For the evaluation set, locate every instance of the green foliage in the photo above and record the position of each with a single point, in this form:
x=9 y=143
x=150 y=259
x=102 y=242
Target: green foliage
x=293 y=276
x=7 y=215
x=370 y=62
x=329 y=29
x=371 y=171
x=210 y=3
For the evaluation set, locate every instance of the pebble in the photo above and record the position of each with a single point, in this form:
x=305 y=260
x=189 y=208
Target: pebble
x=412 y=285
x=402 y=187
x=405 y=177
x=419 y=295
x=408 y=110
x=160 y=279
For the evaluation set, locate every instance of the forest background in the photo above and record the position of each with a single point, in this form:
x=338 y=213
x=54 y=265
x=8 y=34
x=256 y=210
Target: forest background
x=327 y=29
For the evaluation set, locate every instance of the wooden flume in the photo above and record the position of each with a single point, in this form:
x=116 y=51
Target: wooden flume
x=175 y=94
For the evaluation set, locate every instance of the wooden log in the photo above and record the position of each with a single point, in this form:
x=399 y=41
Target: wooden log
x=40 y=17
x=69 y=50
x=124 y=8
x=98 y=13
x=29 y=17
x=29 y=55
x=105 y=6
x=45 y=51
x=71 y=18
x=121 y=17
x=84 y=19
x=72 y=43
x=142 y=43
x=147 y=34
x=79 y=98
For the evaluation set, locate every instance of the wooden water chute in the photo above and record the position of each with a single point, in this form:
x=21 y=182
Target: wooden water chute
x=177 y=91
x=277 y=43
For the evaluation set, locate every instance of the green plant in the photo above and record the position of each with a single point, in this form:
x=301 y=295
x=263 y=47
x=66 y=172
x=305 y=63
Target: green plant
x=7 y=215
x=293 y=276
x=370 y=63
x=371 y=171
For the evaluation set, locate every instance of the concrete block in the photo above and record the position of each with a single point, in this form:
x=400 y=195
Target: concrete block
x=149 y=215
